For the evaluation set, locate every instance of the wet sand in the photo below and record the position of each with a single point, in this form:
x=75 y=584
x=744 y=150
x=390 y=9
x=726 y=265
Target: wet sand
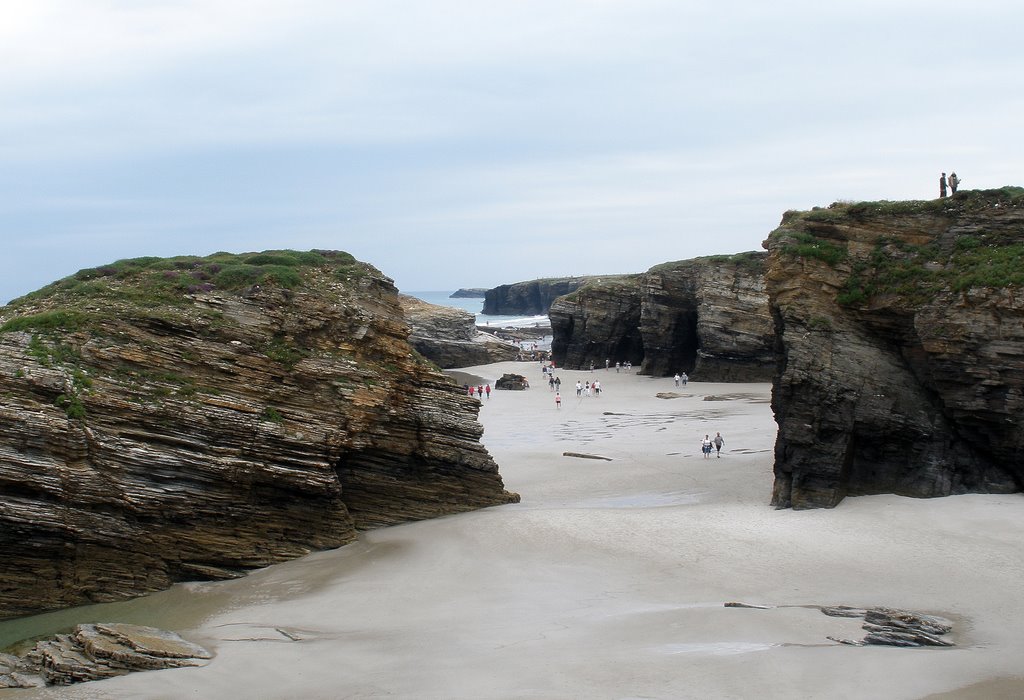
x=609 y=580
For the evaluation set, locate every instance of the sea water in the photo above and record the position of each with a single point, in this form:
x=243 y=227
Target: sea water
x=475 y=305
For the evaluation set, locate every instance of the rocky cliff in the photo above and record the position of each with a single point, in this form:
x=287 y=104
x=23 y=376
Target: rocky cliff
x=599 y=321
x=449 y=337
x=191 y=418
x=531 y=298
x=469 y=293
x=900 y=330
x=707 y=316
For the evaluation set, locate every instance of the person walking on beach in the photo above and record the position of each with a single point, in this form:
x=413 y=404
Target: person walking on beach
x=558 y=400
x=488 y=390
x=719 y=441
x=942 y=185
x=677 y=378
x=579 y=388
x=954 y=182
x=685 y=379
x=705 y=446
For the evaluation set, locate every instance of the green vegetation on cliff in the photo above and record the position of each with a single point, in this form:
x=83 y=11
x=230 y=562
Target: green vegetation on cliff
x=914 y=249
x=165 y=283
x=751 y=260
x=962 y=202
x=159 y=293
x=918 y=272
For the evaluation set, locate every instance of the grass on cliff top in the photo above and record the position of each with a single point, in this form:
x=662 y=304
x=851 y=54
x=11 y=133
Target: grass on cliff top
x=917 y=273
x=603 y=283
x=962 y=202
x=751 y=260
x=957 y=262
x=152 y=282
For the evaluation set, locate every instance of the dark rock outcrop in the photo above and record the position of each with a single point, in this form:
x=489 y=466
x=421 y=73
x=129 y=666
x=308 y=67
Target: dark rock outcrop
x=449 y=337
x=531 y=298
x=191 y=418
x=900 y=330
x=599 y=321
x=707 y=316
x=471 y=293
x=514 y=382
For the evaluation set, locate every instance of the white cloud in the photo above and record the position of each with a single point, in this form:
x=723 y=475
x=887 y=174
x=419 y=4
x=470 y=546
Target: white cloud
x=600 y=133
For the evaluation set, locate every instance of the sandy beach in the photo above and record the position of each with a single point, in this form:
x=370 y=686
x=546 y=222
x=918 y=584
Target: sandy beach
x=610 y=578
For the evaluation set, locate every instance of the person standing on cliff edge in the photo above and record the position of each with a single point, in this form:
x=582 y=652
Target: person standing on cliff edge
x=942 y=185
x=954 y=182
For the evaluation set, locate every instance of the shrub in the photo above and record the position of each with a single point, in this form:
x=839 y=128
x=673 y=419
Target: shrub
x=72 y=405
x=272 y=259
x=47 y=321
x=805 y=245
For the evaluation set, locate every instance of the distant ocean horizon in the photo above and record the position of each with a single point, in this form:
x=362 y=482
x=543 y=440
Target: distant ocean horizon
x=475 y=306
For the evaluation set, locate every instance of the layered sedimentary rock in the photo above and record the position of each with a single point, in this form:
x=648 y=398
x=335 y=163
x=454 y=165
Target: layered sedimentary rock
x=599 y=321
x=191 y=418
x=706 y=316
x=900 y=331
x=528 y=298
x=449 y=337
x=93 y=652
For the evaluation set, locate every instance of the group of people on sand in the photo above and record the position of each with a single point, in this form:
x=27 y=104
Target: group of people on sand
x=708 y=444
x=953 y=181
x=478 y=391
x=582 y=389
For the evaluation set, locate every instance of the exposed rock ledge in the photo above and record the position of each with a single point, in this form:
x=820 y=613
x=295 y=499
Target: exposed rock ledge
x=98 y=651
x=191 y=418
x=449 y=337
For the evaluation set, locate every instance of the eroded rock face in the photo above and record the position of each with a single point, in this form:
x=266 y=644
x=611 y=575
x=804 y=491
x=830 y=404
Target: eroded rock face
x=708 y=317
x=901 y=341
x=531 y=298
x=598 y=322
x=153 y=430
x=93 y=652
x=449 y=337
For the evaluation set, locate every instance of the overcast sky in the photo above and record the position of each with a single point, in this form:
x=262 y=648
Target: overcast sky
x=481 y=142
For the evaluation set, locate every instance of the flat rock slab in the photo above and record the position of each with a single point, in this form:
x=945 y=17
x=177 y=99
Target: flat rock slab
x=583 y=455
x=884 y=626
x=97 y=651
x=149 y=641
